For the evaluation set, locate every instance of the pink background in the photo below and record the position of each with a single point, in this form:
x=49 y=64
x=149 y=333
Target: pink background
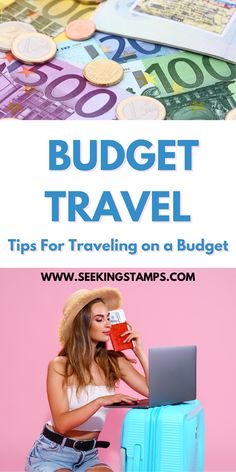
x=167 y=313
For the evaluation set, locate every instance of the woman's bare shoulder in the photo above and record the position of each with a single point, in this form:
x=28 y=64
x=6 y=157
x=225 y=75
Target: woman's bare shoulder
x=58 y=365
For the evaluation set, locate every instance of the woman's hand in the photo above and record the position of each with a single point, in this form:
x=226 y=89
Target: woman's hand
x=136 y=338
x=116 y=398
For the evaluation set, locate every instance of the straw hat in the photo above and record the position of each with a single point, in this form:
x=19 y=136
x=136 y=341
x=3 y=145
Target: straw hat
x=81 y=298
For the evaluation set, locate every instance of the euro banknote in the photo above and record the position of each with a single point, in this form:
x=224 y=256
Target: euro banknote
x=190 y=86
x=47 y=16
x=5 y=4
x=79 y=53
x=123 y=50
x=55 y=90
x=100 y=46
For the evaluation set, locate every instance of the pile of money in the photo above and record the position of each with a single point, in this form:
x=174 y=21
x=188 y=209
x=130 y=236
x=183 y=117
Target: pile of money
x=54 y=65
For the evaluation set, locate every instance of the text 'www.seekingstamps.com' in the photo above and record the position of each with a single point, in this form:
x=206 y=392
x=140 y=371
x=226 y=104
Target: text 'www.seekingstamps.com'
x=118 y=276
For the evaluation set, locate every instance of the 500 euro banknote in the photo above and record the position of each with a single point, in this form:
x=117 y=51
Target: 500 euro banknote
x=55 y=90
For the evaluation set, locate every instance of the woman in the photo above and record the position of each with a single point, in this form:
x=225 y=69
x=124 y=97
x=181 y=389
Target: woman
x=81 y=383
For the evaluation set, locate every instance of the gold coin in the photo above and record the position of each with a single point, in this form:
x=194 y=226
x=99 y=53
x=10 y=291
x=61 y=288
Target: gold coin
x=104 y=72
x=33 y=48
x=10 y=30
x=231 y=115
x=140 y=108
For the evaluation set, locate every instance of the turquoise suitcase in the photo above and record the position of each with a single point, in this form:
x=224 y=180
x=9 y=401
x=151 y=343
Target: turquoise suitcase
x=163 y=439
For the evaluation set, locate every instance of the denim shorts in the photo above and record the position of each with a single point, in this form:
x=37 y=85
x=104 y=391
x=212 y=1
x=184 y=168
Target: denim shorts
x=48 y=456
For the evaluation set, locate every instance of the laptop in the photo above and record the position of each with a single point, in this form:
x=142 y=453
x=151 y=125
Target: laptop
x=172 y=377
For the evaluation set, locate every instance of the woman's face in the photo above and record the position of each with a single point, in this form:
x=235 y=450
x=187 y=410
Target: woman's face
x=100 y=323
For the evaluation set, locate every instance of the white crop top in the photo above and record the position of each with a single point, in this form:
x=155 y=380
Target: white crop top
x=89 y=393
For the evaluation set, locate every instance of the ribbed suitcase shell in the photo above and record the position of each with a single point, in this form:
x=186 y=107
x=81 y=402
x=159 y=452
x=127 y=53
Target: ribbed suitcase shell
x=163 y=439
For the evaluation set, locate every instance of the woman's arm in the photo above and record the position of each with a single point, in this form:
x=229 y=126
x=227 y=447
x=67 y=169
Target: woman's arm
x=63 y=419
x=141 y=355
x=130 y=375
x=137 y=348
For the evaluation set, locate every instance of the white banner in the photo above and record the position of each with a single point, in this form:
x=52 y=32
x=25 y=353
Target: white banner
x=169 y=203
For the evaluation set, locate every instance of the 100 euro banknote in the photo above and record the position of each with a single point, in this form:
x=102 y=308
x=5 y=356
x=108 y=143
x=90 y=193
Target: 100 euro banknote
x=55 y=90
x=190 y=86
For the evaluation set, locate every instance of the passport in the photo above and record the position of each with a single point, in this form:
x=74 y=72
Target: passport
x=116 y=340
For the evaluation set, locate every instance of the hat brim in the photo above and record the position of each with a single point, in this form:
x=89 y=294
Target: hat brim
x=78 y=300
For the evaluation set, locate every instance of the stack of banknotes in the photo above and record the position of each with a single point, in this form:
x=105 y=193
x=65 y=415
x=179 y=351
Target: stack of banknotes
x=189 y=85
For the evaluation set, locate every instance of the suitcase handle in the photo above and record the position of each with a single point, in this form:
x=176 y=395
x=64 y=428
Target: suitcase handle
x=137 y=459
x=122 y=459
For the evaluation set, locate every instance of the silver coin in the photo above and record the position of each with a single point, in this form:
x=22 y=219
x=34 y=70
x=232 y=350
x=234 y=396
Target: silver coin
x=10 y=30
x=140 y=108
x=231 y=115
x=33 y=48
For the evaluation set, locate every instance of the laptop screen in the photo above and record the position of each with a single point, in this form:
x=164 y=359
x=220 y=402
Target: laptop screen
x=172 y=375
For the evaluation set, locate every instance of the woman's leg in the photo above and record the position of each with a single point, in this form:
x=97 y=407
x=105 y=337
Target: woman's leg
x=63 y=470
x=99 y=468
